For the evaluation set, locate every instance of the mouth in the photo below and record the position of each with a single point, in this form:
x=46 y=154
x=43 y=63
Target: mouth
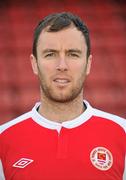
x=61 y=81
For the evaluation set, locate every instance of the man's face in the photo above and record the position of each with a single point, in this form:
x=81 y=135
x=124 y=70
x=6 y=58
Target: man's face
x=61 y=64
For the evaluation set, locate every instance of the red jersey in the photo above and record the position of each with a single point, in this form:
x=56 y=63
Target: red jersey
x=90 y=147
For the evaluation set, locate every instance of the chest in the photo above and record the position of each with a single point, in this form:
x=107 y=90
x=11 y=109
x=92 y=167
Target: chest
x=73 y=154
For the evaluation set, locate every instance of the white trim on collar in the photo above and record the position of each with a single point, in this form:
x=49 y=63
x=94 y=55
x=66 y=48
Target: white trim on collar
x=67 y=124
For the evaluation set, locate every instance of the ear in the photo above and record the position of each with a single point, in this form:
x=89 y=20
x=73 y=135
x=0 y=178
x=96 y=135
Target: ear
x=34 y=64
x=89 y=61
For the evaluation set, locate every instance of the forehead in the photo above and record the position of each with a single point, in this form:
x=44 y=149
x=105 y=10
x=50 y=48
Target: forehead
x=66 y=38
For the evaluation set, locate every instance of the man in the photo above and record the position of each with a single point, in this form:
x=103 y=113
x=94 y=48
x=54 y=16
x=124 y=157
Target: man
x=63 y=137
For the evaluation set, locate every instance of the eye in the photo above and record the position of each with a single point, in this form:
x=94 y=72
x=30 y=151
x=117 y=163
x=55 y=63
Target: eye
x=73 y=55
x=51 y=54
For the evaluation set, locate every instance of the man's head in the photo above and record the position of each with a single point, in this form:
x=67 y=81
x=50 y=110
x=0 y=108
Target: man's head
x=58 y=21
x=61 y=57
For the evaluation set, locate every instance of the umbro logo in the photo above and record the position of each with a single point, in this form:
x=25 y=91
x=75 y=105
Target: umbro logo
x=22 y=163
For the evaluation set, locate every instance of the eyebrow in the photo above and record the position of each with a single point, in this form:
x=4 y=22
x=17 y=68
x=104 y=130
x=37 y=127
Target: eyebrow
x=68 y=51
x=75 y=51
x=48 y=50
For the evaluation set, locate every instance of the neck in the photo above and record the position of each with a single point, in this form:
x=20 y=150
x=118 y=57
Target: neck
x=60 y=112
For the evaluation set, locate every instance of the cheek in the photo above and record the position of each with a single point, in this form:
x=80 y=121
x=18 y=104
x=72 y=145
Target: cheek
x=78 y=70
x=79 y=75
x=45 y=70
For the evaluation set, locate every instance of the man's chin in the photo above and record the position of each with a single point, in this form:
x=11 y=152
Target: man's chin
x=62 y=99
x=61 y=96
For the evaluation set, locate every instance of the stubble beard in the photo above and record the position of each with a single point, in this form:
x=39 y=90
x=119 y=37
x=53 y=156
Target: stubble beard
x=49 y=93
x=60 y=97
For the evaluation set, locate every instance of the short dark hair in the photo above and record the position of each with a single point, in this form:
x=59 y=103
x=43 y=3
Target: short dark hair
x=57 y=21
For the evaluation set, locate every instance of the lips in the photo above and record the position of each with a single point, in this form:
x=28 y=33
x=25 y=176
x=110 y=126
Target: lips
x=62 y=81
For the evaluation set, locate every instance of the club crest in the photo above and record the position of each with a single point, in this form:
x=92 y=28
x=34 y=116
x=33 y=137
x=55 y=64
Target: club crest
x=101 y=158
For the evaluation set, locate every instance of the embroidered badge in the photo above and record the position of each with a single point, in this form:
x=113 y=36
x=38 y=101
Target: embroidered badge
x=101 y=158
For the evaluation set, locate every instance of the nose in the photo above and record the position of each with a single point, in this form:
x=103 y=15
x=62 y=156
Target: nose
x=62 y=64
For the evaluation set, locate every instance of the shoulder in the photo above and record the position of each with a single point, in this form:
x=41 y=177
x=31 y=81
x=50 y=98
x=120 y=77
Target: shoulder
x=19 y=120
x=105 y=116
x=15 y=121
x=110 y=117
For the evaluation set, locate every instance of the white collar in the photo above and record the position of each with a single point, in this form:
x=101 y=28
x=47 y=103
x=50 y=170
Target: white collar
x=67 y=124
